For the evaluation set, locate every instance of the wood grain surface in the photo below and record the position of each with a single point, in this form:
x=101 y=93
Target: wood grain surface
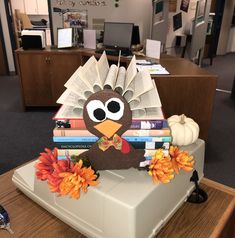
x=189 y=95
x=203 y=220
x=215 y=218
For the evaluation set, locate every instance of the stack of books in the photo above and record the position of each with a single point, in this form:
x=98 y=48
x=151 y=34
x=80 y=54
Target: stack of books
x=149 y=129
x=72 y=138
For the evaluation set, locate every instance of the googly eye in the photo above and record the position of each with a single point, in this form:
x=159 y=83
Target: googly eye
x=96 y=111
x=114 y=108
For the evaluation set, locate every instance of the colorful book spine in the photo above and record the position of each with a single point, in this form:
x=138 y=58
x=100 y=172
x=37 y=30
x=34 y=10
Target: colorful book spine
x=149 y=154
x=69 y=152
x=127 y=138
x=146 y=155
x=64 y=152
x=136 y=145
x=147 y=125
x=79 y=132
x=72 y=145
x=136 y=124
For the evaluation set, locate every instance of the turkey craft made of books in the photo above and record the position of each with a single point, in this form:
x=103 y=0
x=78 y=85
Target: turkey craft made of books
x=108 y=115
x=108 y=98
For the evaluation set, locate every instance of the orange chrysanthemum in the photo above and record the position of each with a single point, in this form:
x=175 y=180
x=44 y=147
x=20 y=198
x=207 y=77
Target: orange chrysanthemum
x=79 y=178
x=45 y=165
x=63 y=176
x=160 y=168
x=49 y=167
x=54 y=179
x=181 y=159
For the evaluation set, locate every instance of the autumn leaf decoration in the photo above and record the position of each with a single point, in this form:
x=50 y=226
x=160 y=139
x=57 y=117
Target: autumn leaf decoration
x=63 y=177
x=162 y=167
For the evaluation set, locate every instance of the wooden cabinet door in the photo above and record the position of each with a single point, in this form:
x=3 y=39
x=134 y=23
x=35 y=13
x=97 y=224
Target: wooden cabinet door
x=35 y=77
x=62 y=67
x=42 y=6
x=36 y=7
x=18 y=4
x=31 y=7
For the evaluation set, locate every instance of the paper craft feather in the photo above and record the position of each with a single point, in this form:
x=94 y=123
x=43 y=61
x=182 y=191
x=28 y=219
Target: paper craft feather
x=137 y=88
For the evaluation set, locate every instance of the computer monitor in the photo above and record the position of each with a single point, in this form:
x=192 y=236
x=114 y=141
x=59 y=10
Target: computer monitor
x=117 y=35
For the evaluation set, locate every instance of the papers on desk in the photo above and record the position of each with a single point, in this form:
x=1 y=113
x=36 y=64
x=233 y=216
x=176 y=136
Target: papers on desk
x=151 y=67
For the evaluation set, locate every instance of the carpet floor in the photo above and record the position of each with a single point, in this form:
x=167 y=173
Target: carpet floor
x=220 y=147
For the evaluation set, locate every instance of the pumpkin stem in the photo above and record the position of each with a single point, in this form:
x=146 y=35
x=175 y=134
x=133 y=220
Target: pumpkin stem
x=182 y=119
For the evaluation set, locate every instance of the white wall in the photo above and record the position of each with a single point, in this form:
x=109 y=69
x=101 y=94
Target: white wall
x=134 y=11
x=6 y=36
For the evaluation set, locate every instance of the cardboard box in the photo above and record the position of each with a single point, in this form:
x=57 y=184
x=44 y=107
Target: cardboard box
x=126 y=203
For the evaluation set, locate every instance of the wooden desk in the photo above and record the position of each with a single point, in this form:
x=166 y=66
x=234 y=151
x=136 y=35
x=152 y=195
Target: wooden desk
x=188 y=89
x=215 y=218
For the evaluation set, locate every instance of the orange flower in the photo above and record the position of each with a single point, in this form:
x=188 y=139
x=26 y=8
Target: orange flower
x=54 y=179
x=63 y=176
x=181 y=159
x=45 y=165
x=79 y=178
x=160 y=168
x=49 y=167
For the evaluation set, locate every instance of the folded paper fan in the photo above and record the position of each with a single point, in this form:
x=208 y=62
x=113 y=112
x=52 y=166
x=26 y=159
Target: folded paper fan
x=137 y=88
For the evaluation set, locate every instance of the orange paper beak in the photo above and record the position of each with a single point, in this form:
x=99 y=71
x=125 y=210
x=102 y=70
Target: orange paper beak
x=108 y=128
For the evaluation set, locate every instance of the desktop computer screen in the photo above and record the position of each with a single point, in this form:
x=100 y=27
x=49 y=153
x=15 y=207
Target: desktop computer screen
x=118 y=35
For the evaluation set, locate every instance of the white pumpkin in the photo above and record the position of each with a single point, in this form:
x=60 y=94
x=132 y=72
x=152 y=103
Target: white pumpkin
x=184 y=130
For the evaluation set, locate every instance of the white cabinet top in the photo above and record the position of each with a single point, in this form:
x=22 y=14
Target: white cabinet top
x=31 y=7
